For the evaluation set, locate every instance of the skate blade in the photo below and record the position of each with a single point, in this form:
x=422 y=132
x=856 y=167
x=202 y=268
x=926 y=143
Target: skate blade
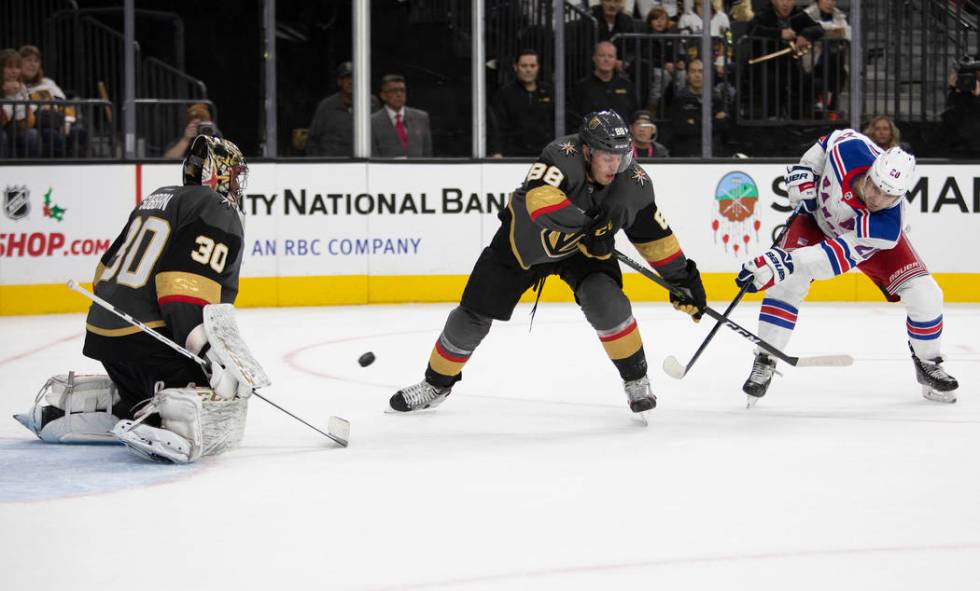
x=750 y=401
x=640 y=418
x=338 y=429
x=936 y=396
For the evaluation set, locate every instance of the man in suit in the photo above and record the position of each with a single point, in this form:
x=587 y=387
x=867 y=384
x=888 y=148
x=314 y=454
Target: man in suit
x=398 y=131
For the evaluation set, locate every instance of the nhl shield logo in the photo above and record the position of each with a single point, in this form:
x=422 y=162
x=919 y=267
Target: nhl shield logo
x=16 y=202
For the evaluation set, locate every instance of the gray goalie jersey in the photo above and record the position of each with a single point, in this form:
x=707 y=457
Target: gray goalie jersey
x=556 y=201
x=180 y=250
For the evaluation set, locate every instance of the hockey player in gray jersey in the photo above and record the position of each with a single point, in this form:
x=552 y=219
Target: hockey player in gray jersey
x=562 y=220
x=180 y=250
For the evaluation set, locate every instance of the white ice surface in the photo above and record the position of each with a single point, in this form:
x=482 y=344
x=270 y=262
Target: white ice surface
x=532 y=475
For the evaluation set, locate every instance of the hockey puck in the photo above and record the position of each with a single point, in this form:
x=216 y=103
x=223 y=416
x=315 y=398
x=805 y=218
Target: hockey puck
x=366 y=359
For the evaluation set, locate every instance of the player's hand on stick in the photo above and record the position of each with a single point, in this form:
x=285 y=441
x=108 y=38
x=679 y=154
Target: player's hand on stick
x=694 y=300
x=598 y=238
x=222 y=381
x=766 y=270
x=801 y=187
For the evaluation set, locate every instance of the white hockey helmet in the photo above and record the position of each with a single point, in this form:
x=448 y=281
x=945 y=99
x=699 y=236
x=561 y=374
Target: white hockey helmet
x=893 y=172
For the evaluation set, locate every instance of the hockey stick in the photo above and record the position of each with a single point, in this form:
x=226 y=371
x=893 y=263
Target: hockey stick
x=338 y=429
x=672 y=366
x=814 y=361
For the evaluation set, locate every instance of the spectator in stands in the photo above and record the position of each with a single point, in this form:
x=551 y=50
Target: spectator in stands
x=18 y=136
x=685 y=115
x=961 y=119
x=691 y=21
x=603 y=88
x=742 y=11
x=784 y=23
x=197 y=121
x=644 y=133
x=611 y=18
x=57 y=125
x=673 y=7
x=398 y=131
x=332 y=129
x=883 y=132
x=524 y=111
x=666 y=67
x=830 y=56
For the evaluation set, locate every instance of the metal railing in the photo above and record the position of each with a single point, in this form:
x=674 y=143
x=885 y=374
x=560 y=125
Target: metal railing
x=22 y=21
x=161 y=80
x=655 y=66
x=514 y=26
x=82 y=53
x=78 y=128
x=788 y=90
x=910 y=48
x=160 y=124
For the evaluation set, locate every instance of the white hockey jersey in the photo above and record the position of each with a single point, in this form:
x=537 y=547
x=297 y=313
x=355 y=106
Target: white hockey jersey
x=854 y=234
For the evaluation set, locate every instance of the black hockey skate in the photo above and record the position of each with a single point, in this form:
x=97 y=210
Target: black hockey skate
x=639 y=395
x=418 y=397
x=937 y=385
x=757 y=384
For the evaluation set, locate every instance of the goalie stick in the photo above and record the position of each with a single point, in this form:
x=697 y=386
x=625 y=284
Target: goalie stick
x=672 y=366
x=814 y=361
x=338 y=429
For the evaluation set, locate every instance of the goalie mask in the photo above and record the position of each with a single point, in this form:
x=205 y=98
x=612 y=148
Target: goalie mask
x=606 y=131
x=219 y=164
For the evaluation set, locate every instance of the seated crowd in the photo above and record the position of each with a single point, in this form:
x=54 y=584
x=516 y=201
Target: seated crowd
x=654 y=81
x=35 y=119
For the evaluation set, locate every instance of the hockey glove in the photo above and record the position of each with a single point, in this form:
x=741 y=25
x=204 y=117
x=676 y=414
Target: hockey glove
x=765 y=270
x=693 y=301
x=801 y=185
x=598 y=239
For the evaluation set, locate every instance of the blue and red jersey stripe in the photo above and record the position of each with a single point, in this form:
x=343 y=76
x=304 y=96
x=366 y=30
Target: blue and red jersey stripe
x=778 y=312
x=925 y=331
x=839 y=255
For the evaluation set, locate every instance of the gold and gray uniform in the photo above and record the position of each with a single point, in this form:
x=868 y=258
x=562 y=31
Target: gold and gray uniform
x=539 y=235
x=180 y=250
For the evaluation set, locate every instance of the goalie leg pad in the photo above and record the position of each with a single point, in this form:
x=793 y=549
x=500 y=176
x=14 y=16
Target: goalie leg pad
x=195 y=422
x=73 y=409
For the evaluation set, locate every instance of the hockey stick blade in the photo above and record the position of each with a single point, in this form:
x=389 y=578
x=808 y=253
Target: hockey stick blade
x=338 y=430
x=673 y=368
x=825 y=361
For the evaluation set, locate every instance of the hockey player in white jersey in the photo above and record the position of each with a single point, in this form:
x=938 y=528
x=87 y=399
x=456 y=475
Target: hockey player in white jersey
x=854 y=195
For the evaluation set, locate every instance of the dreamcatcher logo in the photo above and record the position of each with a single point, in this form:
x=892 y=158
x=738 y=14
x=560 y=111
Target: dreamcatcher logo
x=734 y=218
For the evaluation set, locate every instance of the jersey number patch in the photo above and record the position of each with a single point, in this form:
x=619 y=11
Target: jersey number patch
x=135 y=273
x=210 y=253
x=549 y=174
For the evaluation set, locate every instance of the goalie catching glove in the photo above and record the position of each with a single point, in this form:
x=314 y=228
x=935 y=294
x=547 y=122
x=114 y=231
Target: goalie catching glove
x=801 y=187
x=765 y=270
x=692 y=300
